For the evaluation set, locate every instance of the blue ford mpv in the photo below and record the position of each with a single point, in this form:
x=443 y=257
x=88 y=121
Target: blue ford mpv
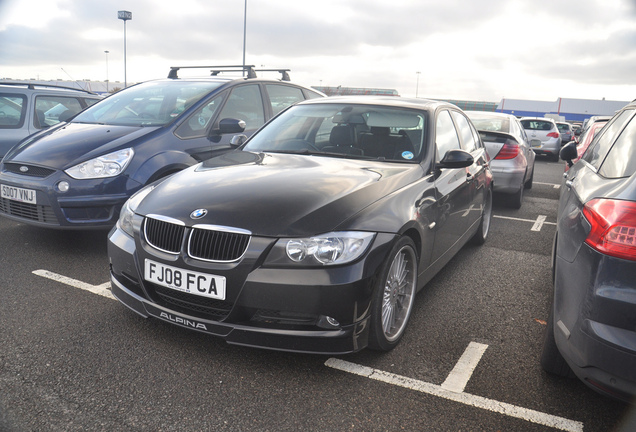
x=78 y=174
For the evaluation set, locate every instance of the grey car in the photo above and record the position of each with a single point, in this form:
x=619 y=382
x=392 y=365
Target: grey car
x=566 y=132
x=511 y=158
x=544 y=136
x=28 y=108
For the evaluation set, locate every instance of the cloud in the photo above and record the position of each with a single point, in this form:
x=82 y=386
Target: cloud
x=463 y=50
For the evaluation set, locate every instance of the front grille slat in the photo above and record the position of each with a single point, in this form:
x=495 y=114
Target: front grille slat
x=38 y=213
x=28 y=170
x=207 y=244
x=220 y=246
x=192 y=304
x=164 y=236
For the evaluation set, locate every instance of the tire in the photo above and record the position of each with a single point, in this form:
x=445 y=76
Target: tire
x=528 y=183
x=394 y=295
x=551 y=359
x=484 y=225
x=516 y=199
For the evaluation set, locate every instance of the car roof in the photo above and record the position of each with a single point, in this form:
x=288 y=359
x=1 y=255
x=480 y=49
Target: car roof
x=389 y=101
x=7 y=85
x=490 y=113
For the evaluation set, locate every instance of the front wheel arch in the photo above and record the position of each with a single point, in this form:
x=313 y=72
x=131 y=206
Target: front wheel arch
x=393 y=295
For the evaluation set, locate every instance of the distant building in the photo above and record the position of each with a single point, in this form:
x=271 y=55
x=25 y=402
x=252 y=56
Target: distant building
x=574 y=110
x=472 y=105
x=351 y=91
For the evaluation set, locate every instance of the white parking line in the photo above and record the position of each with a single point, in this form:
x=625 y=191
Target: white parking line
x=452 y=388
x=554 y=186
x=537 y=223
x=458 y=378
x=101 y=290
x=464 y=398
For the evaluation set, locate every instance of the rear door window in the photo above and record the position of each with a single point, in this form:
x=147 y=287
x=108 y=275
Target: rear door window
x=282 y=96
x=12 y=110
x=50 y=110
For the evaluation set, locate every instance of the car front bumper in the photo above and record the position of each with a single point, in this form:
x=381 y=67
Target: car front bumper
x=595 y=321
x=88 y=204
x=323 y=311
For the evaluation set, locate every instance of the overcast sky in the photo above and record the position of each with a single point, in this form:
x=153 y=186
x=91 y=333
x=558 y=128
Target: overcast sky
x=453 y=49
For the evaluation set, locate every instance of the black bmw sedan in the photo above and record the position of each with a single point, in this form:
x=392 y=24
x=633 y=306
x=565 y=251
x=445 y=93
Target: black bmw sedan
x=592 y=324
x=316 y=234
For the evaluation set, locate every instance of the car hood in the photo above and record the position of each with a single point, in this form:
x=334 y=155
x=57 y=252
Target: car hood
x=277 y=194
x=72 y=143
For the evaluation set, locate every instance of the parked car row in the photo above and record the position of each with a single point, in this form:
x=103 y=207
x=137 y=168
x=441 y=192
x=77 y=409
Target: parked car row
x=262 y=213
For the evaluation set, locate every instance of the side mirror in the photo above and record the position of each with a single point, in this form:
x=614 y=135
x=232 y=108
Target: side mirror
x=230 y=126
x=568 y=152
x=456 y=159
x=238 y=140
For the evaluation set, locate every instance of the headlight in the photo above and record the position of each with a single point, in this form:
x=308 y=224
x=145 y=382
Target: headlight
x=326 y=249
x=125 y=221
x=108 y=165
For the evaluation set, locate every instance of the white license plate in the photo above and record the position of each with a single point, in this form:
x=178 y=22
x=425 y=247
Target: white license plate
x=201 y=284
x=18 y=194
x=535 y=143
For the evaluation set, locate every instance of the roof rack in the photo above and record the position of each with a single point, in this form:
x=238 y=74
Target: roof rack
x=31 y=86
x=215 y=70
x=283 y=72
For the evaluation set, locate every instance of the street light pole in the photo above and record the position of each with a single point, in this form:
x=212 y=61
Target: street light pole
x=106 y=52
x=417 y=86
x=244 y=34
x=125 y=16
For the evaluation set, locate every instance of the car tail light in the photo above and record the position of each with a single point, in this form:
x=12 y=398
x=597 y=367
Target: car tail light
x=613 y=227
x=509 y=150
x=553 y=135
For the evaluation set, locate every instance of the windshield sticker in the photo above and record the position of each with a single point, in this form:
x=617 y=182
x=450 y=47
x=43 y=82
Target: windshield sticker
x=407 y=155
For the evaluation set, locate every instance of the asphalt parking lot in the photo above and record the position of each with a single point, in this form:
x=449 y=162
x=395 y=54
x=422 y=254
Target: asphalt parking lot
x=75 y=359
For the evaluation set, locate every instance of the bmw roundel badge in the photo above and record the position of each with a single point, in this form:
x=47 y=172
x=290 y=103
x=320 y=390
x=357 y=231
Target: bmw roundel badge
x=198 y=213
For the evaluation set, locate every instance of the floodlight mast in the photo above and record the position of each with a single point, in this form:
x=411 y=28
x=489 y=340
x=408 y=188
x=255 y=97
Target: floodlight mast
x=125 y=16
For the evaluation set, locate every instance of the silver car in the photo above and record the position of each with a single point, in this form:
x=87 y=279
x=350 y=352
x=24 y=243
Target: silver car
x=566 y=132
x=544 y=136
x=511 y=158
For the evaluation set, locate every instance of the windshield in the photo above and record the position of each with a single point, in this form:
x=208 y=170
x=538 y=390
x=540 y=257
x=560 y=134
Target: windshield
x=537 y=125
x=563 y=127
x=490 y=123
x=154 y=103
x=349 y=131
